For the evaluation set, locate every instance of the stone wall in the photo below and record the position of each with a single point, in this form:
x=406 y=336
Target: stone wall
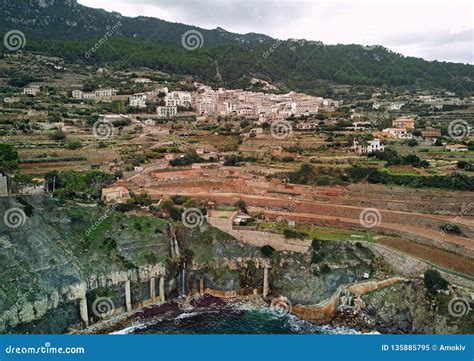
x=409 y=266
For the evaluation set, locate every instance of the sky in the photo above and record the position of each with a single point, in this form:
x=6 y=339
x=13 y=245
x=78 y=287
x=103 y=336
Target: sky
x=433 y=30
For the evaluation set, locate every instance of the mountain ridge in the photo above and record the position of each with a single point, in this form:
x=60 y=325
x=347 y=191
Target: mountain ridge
x=66 y=28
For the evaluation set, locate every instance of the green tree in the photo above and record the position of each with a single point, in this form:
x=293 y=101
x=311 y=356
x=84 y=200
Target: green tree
x=8 y=158
x=73 y=144
x=434 y=281
x=267 y=251
x=58 y=135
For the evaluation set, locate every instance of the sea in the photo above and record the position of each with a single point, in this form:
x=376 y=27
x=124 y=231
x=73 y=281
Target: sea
x=225 y=318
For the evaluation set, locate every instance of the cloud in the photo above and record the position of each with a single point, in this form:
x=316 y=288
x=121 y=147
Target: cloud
x=428 y=29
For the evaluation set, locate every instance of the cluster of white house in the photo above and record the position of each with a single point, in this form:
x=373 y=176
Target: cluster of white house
x=264 y=105
x=402 y=129
x=208 y=101
x=105 y=93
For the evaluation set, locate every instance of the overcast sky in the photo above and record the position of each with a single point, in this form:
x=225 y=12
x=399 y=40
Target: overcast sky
x=431 y=29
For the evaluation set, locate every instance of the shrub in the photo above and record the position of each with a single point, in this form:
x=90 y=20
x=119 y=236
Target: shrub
x=434 y=281
x=73 y=144
x=451 y=228
x=58 y=135
x=315 y=244
x=325 y=268
x=412 y=143
x=267 y=251
x=240 y=204
x=291 y=233
x=462 y=164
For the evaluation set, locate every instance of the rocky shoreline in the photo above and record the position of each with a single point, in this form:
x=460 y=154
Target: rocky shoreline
x=181 y=308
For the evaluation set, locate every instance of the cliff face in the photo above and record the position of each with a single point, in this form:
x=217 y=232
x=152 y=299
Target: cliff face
x=406 y=307
x=53 y=254
x=54 y=251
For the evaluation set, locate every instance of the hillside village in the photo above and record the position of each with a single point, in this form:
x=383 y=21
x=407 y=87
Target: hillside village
x=276 y=170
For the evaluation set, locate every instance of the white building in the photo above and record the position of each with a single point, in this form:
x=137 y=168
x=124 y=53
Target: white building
x=396 y=105
x=167 y=111
x=137 y=101
x=31 y=90
x=141 y=80
x=367 y=147
x=112 y=117
x=456 y=148
x=179 y=99
x=398 y=133
x=98 y=94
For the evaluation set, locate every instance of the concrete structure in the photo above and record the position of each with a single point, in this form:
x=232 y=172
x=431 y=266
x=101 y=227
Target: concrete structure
x=3 y=185
x=167 y=111
x=366 y=147
x=397 y=133
x=179 y=99
x=431 y=133
x=31 y=90
x=141 y=80
x=98 y=94
x=162 y=289
x=456 y=148
x=113 y=117
x=83 y=310
x=137 y=100
x=266 y=287
x=118 y=194
x=406 y=123
x=128 y=296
